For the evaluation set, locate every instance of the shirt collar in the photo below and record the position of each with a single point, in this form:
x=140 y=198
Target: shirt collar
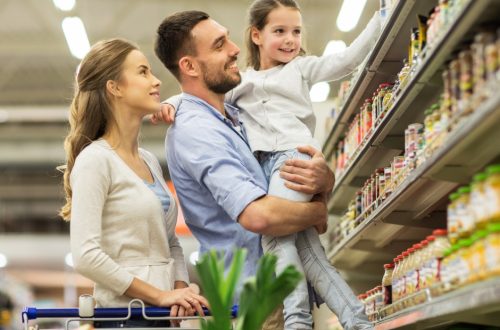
x=232 y=111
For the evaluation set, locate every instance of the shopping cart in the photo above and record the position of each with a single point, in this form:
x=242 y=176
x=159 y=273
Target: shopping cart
x=73 y=315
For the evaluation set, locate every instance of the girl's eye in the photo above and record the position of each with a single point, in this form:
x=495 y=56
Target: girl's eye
x=279 y=31
x=298 y=32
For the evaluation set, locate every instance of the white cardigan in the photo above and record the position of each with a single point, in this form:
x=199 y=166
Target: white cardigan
x=118 y=227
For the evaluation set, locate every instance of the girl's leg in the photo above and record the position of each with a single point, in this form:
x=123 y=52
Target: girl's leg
x=297 y=309
x=328 y=283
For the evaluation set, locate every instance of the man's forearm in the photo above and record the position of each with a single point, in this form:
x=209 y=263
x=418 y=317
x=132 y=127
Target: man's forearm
x=278 y=217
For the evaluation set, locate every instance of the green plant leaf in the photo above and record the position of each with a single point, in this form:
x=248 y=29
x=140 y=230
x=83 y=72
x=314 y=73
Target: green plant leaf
x=264 y=293
x=219 y=289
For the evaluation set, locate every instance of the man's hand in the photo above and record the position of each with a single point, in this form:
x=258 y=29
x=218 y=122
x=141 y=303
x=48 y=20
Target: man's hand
x=166 y=114
x=308 y=176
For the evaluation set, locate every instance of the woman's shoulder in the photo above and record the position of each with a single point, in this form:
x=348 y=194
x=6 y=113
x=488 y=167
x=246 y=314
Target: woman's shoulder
x=97 y=154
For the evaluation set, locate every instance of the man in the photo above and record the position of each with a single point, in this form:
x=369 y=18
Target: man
x=221 y=186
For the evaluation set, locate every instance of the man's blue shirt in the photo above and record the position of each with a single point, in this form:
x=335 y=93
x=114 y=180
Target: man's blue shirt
x=216 y=176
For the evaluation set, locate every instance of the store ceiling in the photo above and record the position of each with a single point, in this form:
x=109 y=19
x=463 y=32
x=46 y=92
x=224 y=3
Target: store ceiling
x=37 y=68
x=36 y=77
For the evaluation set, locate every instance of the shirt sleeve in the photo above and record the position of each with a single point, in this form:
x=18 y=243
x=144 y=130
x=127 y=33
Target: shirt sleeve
x=213 y=160
x=90 y=181
x=335 y=66
x=174 y=101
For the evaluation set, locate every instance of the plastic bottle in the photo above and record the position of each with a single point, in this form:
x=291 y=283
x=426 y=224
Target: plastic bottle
x=387 y=283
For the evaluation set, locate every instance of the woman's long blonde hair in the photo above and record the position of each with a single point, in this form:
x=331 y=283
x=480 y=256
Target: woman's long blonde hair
x=90 y=110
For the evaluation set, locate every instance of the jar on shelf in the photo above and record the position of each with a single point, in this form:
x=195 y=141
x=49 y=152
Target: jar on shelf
x=387 y=283
x=446 y=110
x=379 y=299
x=477 y=262
x=464 y=220
x=454 y=69
x=479 y=71
x=466 y=83
x=478 y=200
x=492 y=247
x=388 y=182
x=492 y=192
x=452 y=220
x=387 y=101
x=464 y=264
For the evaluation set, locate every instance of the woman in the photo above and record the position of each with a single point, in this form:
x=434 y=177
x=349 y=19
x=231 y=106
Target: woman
x=122 y=214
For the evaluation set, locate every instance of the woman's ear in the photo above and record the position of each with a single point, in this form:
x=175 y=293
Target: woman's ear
x=189 y=66
x=112 y=88
x=255 y=35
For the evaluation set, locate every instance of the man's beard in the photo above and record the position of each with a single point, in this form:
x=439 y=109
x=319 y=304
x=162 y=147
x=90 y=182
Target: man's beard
x=219 y=83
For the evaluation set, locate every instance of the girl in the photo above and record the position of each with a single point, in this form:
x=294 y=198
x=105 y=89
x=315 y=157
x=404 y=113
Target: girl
x=122 y=214
x=277 y=112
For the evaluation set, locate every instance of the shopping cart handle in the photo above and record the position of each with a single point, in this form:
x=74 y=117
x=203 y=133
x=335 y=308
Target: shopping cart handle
x=32 y=313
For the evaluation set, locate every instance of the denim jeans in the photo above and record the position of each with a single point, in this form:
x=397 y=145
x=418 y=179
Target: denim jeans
x=305 y=252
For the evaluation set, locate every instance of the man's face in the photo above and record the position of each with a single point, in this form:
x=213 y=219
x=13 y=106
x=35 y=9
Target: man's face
x=217 y=56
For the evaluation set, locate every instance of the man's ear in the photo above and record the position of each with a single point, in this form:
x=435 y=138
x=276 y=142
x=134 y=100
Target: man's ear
x=255 y=35
x=188 y=66
x=113 y=88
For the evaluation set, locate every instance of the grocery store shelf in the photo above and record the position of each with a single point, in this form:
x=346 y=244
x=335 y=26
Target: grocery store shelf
x=408 y=107
x=406 y=215
x=478 y=303
x=381 y=65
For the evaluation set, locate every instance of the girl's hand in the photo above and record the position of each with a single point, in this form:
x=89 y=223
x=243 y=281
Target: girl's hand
x=308 y=176
x=166 y=114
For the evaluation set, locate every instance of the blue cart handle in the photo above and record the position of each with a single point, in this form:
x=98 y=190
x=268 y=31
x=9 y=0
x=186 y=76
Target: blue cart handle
x=32 y=313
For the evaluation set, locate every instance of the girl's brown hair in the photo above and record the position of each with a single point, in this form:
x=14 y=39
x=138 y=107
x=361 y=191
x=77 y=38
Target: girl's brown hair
x=90 y=110
x=257 y=17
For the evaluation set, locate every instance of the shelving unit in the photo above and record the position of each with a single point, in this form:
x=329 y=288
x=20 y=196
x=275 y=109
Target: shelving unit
x=418 y=204
x=476 y=303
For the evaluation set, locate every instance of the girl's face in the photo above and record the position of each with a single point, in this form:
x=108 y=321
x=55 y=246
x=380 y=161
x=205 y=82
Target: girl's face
x=139 y=88
x=280 y=40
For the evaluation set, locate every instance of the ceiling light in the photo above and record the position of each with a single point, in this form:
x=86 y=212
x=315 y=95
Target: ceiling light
x=64 y=5
x=334 y=46
x=3 y=260
x=68 y=259
x=349 y=14
x=319 y=92
x=76 y=37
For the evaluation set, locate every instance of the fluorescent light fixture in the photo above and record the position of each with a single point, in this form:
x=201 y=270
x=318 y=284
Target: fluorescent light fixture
x=3 y=260
x=64 y=5
x=349 y=14
x=319 y=92
x=334 y=46
x=194 y=257
x=68 y=259
x=76 y=37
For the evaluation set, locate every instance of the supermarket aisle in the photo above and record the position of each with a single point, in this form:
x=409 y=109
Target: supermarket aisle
x=414 y=143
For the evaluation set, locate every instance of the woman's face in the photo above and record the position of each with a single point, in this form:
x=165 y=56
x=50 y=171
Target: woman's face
x=139 y=88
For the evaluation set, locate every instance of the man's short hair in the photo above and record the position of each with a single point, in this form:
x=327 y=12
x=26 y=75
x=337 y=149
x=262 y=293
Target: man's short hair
x=174 y=39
